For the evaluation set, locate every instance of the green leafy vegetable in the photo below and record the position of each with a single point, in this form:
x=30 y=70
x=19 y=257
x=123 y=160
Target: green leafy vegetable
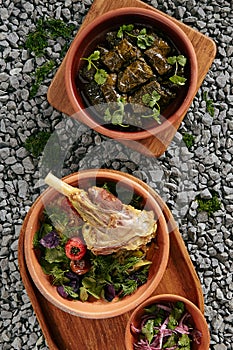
x=152 y=102
x=177 y=60
x=116 y=117
x=101 y=74
x=36 y=143
x=209 y=104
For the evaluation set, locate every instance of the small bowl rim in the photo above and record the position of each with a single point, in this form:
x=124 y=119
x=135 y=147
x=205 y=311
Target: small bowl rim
x=168 y=297
x=89 y=309
x=88 y=120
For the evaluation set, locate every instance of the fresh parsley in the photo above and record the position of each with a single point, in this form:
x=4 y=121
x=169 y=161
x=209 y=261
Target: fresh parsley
x=177 y=60
x=101 y=74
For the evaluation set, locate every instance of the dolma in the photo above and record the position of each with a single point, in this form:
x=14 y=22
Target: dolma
x=162 y=45
x=136 y=100
x=137 y=73
x=122 y=54
x=157 y=60
x=109 y=88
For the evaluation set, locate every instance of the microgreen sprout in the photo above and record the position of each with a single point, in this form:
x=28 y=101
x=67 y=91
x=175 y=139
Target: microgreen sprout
x=143 y=39
x=177 y=60
x=101 y=74
x=152 y=102
x=117 y=116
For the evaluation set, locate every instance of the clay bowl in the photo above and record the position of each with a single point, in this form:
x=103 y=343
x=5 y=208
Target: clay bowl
x=99 y=309
x=198 y=319
x=86 y=42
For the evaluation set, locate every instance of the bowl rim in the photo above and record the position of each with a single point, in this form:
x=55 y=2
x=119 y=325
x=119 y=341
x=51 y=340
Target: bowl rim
x=168 y=297
x=81 y=113
x=89 y=309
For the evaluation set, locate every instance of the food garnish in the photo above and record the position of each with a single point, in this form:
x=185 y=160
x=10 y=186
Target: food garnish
x=166 y=326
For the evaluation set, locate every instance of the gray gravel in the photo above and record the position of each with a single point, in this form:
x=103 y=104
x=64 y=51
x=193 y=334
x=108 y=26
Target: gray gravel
x=179 y=175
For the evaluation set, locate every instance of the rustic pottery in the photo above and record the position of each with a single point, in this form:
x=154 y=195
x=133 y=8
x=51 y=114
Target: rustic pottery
x=196 y=314
x=86 y=42
x=98 y=309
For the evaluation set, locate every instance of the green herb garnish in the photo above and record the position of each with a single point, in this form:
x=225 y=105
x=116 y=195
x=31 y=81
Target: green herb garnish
x=117 y=116
x=101 y=74
x=143 y=39
x=152 y=102
x=209 y=104
x=177 y=60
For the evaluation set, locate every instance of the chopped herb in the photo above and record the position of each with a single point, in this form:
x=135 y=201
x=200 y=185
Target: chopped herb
x=36 y=143
x=101 y=74
x=177 y=60
x=188 y=140
x=209 y=205
x=209 y=104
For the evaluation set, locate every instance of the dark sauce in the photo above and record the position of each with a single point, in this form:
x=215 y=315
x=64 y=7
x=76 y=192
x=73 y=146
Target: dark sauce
x=94 y=98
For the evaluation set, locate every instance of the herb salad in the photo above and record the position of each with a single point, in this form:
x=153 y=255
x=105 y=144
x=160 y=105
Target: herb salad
x=166 y=325
x=77 y=273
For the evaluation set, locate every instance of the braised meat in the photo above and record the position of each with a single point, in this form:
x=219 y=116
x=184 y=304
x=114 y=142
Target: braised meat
x=110 y=225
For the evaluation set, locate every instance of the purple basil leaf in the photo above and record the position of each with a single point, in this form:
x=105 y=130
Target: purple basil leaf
x=51 y=240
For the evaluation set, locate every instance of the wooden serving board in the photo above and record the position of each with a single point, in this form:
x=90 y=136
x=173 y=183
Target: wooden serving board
x=205 y=50
x=63 y=331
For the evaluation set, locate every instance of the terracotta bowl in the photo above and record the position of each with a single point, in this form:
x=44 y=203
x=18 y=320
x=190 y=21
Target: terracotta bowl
x=98 y=309
x=197 y=317
x=91 y=35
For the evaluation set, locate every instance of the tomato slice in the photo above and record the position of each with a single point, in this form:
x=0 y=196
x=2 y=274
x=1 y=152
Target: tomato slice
x=75 y=248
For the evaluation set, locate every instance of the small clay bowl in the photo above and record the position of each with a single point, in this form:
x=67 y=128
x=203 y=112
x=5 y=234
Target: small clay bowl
x=198 y=319
x=99 y=308
x=86 y=42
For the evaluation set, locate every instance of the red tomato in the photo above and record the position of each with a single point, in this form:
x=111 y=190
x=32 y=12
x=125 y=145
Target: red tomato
x=80 y=266
x=75 y=248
